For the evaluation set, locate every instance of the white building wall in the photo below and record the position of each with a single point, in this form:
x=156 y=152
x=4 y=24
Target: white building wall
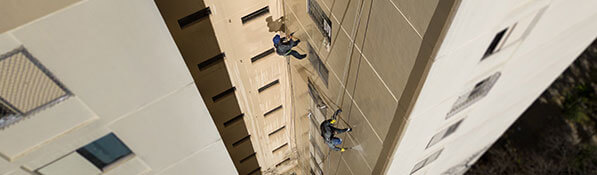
x=528 y=66
x=127 y=77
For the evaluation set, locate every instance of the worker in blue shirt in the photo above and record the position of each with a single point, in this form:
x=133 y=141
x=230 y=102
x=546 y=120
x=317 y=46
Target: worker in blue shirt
x=284 y=47
x=328 y=131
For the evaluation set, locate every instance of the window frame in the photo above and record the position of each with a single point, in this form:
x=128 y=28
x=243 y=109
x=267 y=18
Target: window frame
x=472 y=96
x=428 y=160
x=5 y=110
x=498 y=44
x=322 y=21
x=318 y=65
x=18 y=113
x=444 y=133
x=97 y=162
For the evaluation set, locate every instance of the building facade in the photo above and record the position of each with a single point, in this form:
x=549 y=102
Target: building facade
x=195 y=87
x=428 y=86
x=99 y=87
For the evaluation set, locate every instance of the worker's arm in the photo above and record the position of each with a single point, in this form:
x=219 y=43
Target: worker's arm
x=340 y=131
x=336 y=114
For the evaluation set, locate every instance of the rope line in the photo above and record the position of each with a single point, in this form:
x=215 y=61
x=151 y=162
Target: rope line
x=346 y=72
x=355 y=25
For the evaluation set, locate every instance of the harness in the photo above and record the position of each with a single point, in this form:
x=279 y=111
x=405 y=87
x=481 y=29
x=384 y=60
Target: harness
x=326 y=130
x=278 y=50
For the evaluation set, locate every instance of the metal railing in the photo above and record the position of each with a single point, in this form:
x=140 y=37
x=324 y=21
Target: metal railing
x=26 y=87
x=477 y=93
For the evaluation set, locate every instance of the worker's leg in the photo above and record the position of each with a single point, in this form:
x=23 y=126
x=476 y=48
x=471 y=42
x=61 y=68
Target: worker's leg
x=330 y=144
x=333 y=144
x=297 y=55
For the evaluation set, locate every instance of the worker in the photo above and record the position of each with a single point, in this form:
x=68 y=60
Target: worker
x=328 y=131
x=284 y=47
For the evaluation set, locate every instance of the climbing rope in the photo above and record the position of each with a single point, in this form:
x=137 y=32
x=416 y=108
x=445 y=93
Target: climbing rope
x=355 y=27
x=346 y=72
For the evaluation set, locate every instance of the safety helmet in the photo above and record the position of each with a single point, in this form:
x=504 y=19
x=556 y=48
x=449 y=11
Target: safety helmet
x=333 y=121
x=336 y=141
x=276 y=39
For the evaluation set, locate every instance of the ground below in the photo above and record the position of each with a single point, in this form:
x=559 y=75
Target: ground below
x=556 y=135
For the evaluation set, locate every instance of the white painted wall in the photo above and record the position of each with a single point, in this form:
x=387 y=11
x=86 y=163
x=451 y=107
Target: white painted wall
x=528 y=66
x=127 y=77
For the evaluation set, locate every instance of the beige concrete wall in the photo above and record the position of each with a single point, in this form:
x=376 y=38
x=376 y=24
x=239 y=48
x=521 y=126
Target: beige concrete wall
x=127 y=77
x=371 y=55
x=198 y=44
x=529 y=62
x=241 y=42
x=14 y=13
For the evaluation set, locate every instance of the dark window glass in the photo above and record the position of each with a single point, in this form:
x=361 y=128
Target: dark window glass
x=104 y=151
x=478 y=88
x=426 y=162
x=443 y=134
x=496 y=41
x=4 y=111
x=255 y=14
x=418 y=166
x=323 y=22
x=452 y=128
x=193 y=18
x=323 y=73
x=316 y=98
x=318 y=65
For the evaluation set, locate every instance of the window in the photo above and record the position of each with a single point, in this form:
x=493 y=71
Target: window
x=426 y=161
x=463 y=166
x=280 y=147
x=221 y=95
x=318 y=65
x=5 y=111
x=255 y=14
x=443 y=134
x=277 y=130
x=314 y=164
x=480 y=90
x=26 y=87
x=316 y=98
x=498 y=42
x=272 y=111
x=477 y=89
x=418 y=166
x=494 y=43
x=283 y=162
x=321 y=20
x=104 y=151
x=263 y=88
x=318 y=154
x=263 y=54
x=211 y=61
x=194 y=17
